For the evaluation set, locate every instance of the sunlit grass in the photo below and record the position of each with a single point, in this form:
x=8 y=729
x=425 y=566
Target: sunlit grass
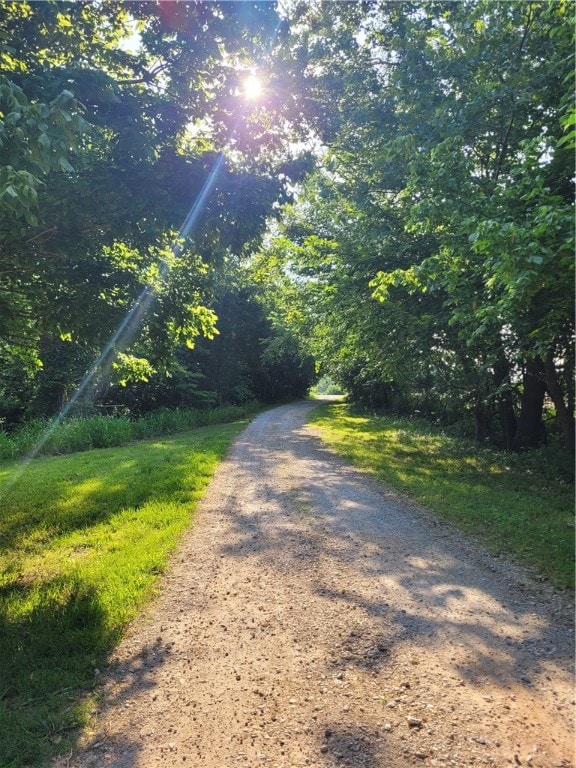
x=521 y=504
x=83 y=539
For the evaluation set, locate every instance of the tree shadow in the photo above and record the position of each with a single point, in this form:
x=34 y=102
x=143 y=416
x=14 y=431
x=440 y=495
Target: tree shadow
x=87 y=489
x=442 y=593
x=50 y=650
x=55 y=634
x=354 y=521
x=349 y=746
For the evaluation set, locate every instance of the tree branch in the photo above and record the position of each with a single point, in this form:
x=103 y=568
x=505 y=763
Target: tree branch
x=504 y=142
x=41 y=234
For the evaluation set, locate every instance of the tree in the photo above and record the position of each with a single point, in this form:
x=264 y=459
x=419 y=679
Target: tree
x=447 y=178
x=102 y=167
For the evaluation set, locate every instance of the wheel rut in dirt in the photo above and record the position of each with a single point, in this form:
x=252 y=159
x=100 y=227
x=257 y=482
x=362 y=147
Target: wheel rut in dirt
x=313 y=617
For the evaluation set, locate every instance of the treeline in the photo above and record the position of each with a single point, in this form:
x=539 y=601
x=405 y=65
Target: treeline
x=429 y=259
x=247 y=360
x=114 y=121
x=425 y=260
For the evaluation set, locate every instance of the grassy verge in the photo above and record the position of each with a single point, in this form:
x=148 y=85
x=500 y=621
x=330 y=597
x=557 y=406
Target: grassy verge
x=518 y=504
x=82 y=433
x=83 y=539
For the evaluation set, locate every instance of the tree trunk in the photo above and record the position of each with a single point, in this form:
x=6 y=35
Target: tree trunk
x=563 y=414
x=531 y=432
x=482 y=429
x=508 y=420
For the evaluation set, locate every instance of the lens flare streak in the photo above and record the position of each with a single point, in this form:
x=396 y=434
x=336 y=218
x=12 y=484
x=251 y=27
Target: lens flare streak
x=131 y=323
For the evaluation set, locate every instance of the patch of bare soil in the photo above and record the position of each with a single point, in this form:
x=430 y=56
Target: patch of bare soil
x=314 y=618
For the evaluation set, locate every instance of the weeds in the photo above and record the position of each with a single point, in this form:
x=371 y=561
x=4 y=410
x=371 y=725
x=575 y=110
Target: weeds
x=48 y=438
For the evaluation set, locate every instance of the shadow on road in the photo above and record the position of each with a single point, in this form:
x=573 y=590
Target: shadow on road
x=349 y=520
x=306 y=518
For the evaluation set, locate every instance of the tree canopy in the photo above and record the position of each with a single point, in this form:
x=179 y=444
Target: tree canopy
x=114 y=119
x=445 y=193
x=401 y=185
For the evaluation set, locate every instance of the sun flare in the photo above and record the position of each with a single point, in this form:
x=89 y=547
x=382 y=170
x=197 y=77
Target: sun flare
x=252 y=87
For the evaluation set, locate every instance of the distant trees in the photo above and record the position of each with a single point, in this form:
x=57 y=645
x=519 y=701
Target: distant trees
x=446 y=194
x=248 y=359
x=113 y=117
x=426 y=263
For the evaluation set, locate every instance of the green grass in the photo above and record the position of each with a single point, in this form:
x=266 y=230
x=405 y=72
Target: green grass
x=83 y=539
x=82 y=433
x=520 y=504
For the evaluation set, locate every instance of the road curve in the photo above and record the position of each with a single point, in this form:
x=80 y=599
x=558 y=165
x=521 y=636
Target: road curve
x=314 y=618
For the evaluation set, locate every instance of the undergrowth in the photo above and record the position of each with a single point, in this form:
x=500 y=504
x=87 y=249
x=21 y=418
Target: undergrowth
x=45 y=437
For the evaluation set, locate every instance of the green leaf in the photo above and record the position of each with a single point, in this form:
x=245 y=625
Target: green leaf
x=65 y=165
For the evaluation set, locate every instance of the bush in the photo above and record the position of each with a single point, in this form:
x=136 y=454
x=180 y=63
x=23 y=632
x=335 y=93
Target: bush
x=82 y=433
x=7 y=447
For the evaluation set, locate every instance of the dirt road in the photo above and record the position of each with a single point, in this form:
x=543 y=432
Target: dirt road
x=313 y=618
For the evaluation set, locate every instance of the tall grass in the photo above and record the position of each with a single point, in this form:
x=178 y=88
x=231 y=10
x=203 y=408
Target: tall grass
x=518 y=504
x=83 y=540
x=48 y=438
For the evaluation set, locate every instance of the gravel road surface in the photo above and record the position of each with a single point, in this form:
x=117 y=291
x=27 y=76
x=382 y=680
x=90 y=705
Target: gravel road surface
x=312 y=617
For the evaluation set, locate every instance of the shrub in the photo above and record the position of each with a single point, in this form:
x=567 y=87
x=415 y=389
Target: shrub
x=82 y=433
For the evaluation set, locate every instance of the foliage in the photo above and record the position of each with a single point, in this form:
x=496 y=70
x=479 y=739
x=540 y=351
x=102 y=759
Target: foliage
x=83 y=433
x=446 y=191
x=77 y=566
x=325 y=386
x=426 y=264
x=101 y=169
x=249 y=358
x=520 y=505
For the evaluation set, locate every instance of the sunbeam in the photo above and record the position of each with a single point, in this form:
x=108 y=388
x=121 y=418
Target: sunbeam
x=135 y=316
x=128 y=328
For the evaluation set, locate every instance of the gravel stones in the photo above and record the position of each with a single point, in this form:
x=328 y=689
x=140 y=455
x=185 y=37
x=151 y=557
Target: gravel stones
x=312 y=618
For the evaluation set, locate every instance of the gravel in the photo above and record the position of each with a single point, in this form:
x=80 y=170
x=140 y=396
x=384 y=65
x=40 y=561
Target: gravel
x=312 y=617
